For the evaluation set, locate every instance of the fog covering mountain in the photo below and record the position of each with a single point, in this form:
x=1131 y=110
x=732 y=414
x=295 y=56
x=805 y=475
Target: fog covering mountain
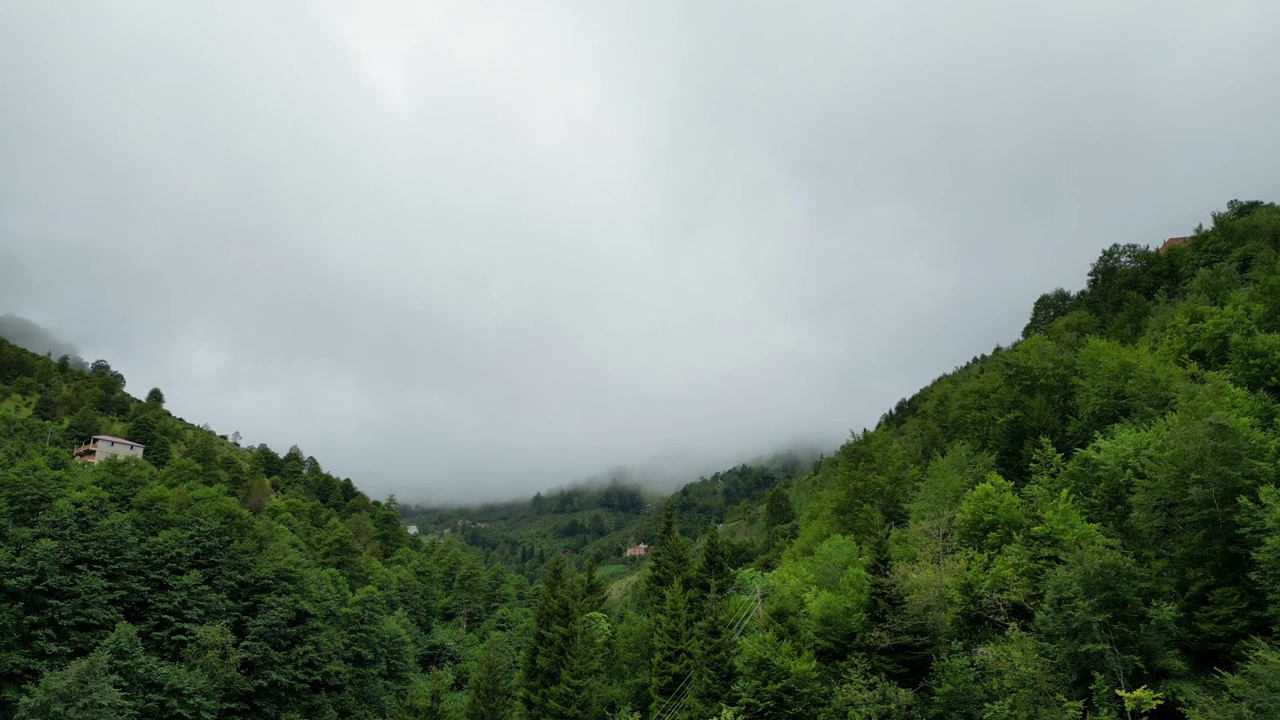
x=29 y=335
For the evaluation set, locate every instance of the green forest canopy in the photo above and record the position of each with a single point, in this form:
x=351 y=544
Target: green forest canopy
x=1084 y=524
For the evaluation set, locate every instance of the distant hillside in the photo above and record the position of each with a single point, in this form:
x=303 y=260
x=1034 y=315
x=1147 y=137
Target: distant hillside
x=600 y=521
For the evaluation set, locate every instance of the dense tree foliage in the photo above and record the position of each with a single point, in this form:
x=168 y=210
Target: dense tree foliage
x=208 y=581
x=600 y=520
x=1085 y=524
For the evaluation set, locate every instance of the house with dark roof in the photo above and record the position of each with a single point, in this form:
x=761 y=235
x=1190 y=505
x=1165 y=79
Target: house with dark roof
x=102 y=447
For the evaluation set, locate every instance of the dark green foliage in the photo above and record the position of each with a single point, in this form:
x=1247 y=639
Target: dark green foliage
x=84 y=690
x=776 y=681
x=778 y=509
x=131 y=592
x=547 y=646
x=713 y=670
x=45 y=408
x=491 y=694
x=159 y=453
x=714 y=577
x=145 y=430
x=561 y=669
x=1127 y=538
x=672 y=599
x=601 y=522
x=83 y=426
x=1252 y=692
x=1049 y=308
x=429 y=698
x=712 y=500
x=623 y=499
x=670 y=562
x=674 y=646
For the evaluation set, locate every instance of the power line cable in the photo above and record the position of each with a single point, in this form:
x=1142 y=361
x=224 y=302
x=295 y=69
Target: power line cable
x=739 y=623
x=744 y=612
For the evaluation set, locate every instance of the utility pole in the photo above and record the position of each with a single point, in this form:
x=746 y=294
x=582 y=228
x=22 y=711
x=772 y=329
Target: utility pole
x=48 y=437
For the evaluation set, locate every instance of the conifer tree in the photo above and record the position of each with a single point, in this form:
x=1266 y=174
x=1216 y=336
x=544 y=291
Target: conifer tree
x=673 y=647
x=778 y=508
x=578 y=696
x=713 y=674
x=428 y=698
x=714 y=577
x=563 y=662
x=671 y=591
x=589 y=590
x=490 y=695
x=670 y=561
x=779 y=681
x=84 y=690
x=548 y=645
x=590 y=637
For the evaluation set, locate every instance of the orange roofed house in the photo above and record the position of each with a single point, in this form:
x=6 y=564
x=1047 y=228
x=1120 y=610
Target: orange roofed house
x=1174 y=241
x=637 y=551
x=101 y=447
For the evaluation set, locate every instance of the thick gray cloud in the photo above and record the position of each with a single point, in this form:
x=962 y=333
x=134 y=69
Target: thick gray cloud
x=465 y=250
x=24 y=333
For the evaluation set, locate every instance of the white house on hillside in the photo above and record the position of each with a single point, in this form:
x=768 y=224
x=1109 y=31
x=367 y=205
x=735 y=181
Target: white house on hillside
x=102 y=447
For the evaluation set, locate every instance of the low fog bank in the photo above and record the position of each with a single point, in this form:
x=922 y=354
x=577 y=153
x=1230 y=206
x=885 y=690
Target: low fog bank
x=30 y=335
x=655 y=479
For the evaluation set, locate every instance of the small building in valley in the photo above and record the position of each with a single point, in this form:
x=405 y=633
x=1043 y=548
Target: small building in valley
x=102 y=447
x=413 y=529
x=637 y=551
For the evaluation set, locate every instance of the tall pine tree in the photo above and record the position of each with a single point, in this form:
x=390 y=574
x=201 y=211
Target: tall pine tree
x=672 y=595
x=563 y=662
x=577 y=695
x=589 y=591
x=670 y=561
x=490 y=695
x=673 y=650
x=548 y=644
x=713 y=674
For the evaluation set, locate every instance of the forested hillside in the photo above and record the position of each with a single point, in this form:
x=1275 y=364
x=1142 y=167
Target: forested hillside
x=1083 y=524
x=211 y=581
x=599 y=522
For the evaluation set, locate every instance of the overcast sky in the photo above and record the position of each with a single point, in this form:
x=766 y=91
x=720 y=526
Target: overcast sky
x=467 y=250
